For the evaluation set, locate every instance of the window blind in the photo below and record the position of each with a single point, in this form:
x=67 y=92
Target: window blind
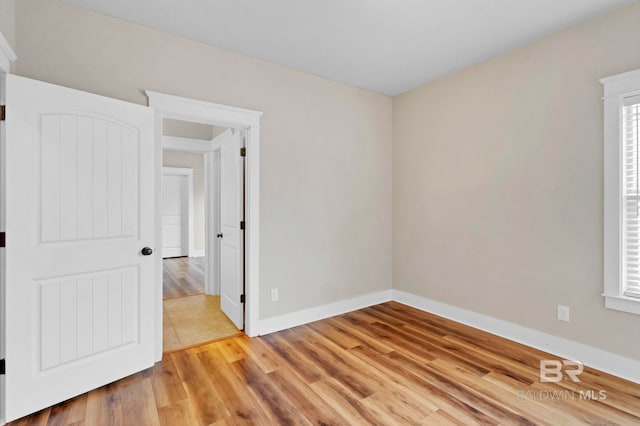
x=631 y=196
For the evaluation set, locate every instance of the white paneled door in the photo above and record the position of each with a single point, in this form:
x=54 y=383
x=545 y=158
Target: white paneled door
x=79 y=200
x=175 y=215
x=232 y=244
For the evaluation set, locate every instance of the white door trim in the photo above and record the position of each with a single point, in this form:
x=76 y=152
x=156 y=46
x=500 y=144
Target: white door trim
x=176 y=107
x=218 y=140
x=188 y=172
x=7 y=55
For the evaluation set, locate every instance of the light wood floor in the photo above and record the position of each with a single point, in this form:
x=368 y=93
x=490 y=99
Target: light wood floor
x=386 y=365
x=182 y=276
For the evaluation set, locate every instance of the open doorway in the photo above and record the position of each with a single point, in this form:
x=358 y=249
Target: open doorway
x=194 y=186
x=244 y=125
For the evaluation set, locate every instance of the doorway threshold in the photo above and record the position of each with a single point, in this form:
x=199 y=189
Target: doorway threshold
x=193 y=321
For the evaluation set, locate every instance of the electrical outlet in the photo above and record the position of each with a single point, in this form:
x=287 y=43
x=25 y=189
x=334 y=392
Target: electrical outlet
x=563 y=313
x=274 y=294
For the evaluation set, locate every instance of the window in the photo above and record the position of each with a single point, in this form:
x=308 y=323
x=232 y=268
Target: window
x=622 y=191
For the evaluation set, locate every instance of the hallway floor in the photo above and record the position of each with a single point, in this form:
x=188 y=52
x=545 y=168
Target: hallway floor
x=182 y=276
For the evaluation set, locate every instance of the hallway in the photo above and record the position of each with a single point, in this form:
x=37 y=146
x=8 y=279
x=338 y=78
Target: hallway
x=190 y=317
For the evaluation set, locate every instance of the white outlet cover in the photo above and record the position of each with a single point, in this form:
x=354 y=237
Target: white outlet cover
x=563 y=313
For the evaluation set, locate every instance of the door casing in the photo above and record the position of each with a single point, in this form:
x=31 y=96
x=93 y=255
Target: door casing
x=176 y=107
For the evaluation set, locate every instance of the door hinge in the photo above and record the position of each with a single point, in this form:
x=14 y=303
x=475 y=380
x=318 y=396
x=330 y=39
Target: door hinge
x=3 y=370
x=242 y=225
x=3 y=112
x=243 y=152
x=3 y=239
x=242 y=298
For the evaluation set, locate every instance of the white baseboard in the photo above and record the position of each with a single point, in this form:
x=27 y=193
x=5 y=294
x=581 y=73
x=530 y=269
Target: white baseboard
x=196 y=253
x=599 y=359
x=305 y=316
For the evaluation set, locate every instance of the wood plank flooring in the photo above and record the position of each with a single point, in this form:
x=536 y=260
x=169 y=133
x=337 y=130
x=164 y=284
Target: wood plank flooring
x=384 y=365
x=182 y=276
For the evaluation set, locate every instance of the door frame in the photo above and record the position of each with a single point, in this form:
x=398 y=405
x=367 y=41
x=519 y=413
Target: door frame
x=180 y=108
x=7 y=57
x=188 y=173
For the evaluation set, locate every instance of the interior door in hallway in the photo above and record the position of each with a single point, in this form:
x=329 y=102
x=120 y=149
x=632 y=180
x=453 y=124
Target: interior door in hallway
x=175 y=213
x=78 y=210
x=232 y=235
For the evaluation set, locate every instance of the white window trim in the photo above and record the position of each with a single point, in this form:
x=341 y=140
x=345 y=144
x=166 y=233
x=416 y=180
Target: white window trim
x=616 y=88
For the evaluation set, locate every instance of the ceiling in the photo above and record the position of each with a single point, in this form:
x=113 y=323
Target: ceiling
x=388 y=46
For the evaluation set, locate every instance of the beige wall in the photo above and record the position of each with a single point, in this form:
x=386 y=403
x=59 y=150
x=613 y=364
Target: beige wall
x=497 y=170
x=8 y=21
x=326 y=147
x=196 y=162
x=497 y=180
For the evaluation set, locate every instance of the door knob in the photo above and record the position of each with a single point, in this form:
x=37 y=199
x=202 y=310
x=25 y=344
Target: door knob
x=147 y=251
x=219 y=236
